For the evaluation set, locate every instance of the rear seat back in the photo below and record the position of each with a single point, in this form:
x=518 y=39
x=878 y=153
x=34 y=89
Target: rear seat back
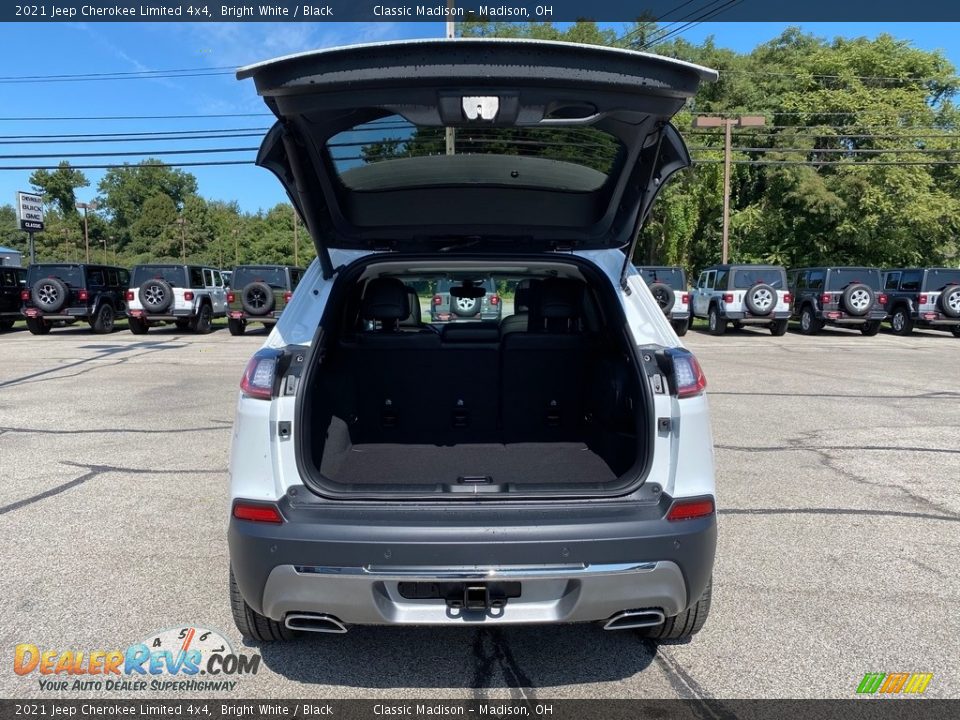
x=542 y=369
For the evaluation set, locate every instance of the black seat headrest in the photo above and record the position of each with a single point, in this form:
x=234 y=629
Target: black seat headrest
x=521 y=298
x=385 y=299
x=560 y=298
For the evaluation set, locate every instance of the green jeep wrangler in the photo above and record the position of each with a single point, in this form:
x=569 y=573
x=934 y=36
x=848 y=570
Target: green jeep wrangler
x=259 y=293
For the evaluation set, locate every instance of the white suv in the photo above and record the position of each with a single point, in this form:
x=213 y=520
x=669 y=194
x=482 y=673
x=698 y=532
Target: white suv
x=557 y=468
x=189 y=295
x=743 y=295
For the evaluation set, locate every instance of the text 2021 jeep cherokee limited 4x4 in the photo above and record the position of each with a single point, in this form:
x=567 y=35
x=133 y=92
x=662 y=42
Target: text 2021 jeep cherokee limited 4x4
x=259 y=294
x=668 y=285
x=743 y=295
x=387 y=473
x=844 y=296
x=923 y=297
x=189 y=295
x=63 y=293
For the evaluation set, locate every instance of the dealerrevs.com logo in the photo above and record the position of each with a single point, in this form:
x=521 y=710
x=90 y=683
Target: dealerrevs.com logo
x=179 y=659
x=898 y=683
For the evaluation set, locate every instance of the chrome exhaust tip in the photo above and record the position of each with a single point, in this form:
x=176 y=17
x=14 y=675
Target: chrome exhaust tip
x=314 y=623
x=630 y=619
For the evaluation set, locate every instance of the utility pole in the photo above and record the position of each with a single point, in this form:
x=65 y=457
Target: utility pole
x=236 y=246
x=92 y=205
x=712 y=121
x=182 y=222
x=296 y=239
x=449 y=133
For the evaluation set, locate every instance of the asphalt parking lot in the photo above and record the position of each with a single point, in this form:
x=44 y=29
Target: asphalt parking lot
x=838 y=480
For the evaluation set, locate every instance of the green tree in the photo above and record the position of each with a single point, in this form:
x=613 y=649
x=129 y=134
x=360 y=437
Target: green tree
x=60 y=186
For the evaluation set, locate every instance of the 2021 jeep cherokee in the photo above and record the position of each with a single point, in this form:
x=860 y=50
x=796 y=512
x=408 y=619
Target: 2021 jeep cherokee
x=845 y=296
x=923 y=297
x=669 y=288
x=63 y=293
x=189 y=295
x=406 y=474
x=259 y=294
x=743 y=295
x=13 y=281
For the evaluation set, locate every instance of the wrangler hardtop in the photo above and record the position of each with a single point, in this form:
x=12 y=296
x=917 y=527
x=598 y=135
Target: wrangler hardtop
x=743 y=294
x=923 y=297
x=59 y=294
x=190 y=296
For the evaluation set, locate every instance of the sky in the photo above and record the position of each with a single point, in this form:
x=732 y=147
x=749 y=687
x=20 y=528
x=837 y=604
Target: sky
x=92 y=48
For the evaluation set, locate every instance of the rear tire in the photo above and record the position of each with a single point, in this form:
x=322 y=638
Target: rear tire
x=901 y=322
x=236 y=327
x=870 y=328
x=778 y=328
x=138 y=326
x=103 y=321
x=37 y=326
x=203 y=324
x=955 y=330
x=681 y=326
x=686 y=624
x=809 y=325
x=252 y=624
x=717 y=325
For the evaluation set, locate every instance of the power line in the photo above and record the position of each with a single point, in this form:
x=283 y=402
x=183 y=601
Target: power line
x=210 y=163
x=149 y=153
x=131 y=139
x=103 y=74
x=130 y=134
x=132 y=117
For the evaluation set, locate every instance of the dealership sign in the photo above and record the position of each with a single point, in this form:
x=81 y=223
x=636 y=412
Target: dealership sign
x=29 y=212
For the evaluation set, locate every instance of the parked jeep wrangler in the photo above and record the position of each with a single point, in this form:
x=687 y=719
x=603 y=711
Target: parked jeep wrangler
x=189 y=295
x=923 y=297
x=743 y=295
x=63 y=293
x=12 y=283
x=668 y=285
x=259 y=294
x=844 y=296
x=464 y=304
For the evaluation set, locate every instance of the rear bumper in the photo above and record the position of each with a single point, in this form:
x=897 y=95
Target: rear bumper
x=934 y=319
x=271 y=317
x=68 y=314
x=838 y=317
x=575 y=564
x=748 y=318
x=157 y=317
x=679 y=315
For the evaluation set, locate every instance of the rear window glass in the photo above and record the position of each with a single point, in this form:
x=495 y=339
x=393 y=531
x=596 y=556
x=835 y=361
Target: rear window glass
x=938 y=279
x=842 y=277
x=582 y=157
x=72 y=275
x=175 y=276
x=274 y=277
x=748 y=277
x=672 y=278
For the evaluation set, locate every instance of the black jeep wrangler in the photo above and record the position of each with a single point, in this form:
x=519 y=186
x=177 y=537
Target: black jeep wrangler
x=259 y=293
x=12 y=282
x=668 y=285
x=923 y=297
x=845 y=296
x=63 y=293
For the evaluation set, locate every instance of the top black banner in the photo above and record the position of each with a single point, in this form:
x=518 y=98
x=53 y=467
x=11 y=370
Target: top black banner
x=662 y=11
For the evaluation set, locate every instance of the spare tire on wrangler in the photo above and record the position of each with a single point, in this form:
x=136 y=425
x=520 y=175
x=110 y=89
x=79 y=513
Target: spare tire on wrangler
x=857 y=299
x=761 y=299
x=50 y=294
x=950 y=301
x=257 y=298
x=664 y=296
x=156 y=295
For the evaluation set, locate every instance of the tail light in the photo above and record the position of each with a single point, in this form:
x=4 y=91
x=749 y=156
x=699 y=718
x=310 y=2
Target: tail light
x=287 y=296
x=684 y=373
x=826 y=297
x=24 y=294
x=231 y=297
x=685 y=299
x=787 y=297
x=82 y=294
x=259 y=375
x=728 y=298
x=690 y=509
x=437 y=300
x=882 y=299
x=922 y=299
x=129 y=295
x=494 y=299
x=188 y=296
x=257 y=512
